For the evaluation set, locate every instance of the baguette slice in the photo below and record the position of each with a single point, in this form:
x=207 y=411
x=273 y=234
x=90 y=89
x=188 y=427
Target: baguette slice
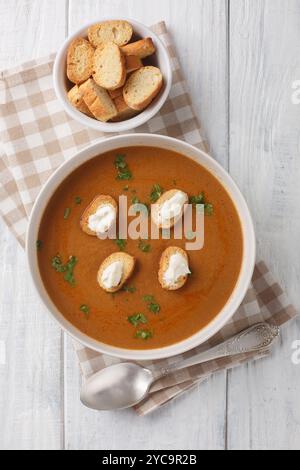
x=98 y=101
x=141 y=49
x=119 y=32
x=124 y=112
x=142 y=87
x=155 y=209
x=115 y=93
x=133 y=63
x=75 y=97
x=92 y=208
x=128 y=267
x=109 y=70
x=164 y=264
x=79 y=60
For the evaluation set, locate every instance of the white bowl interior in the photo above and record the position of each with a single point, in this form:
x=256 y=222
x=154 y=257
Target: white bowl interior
x=161 y=59
x=200 y=157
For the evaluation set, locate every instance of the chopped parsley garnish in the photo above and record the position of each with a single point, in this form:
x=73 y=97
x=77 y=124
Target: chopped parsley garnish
x=67 y=213
x=124 y=172
x=78 y=200
x=156 y=193
x=85 y=309
x=135 y=200
x=153 y=306
x=39 y=245
x=144 y=247
x=208 y=209
x=67 y=268
x=200 y=199
x=144 y=334
x=130 y=289
x=121 y=244
x=138 y=319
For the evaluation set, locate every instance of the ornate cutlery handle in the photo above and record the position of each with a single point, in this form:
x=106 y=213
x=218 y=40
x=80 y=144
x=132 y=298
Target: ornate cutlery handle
x=257 y=338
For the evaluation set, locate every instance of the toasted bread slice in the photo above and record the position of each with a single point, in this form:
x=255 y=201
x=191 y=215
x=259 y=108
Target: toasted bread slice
x=142 y=49
x=132 y=63
x=109 y=70
x=115 y=93
x=119 y=32
x=155 y=209
x=124 y=112
x=79 y=60
x=75 y=97
x=92 y=208
x=142 y=87
x=164 y=265
x=128 y=262
x=98 y=101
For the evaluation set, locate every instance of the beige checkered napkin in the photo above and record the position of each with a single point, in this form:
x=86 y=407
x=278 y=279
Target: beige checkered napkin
x=37 y=136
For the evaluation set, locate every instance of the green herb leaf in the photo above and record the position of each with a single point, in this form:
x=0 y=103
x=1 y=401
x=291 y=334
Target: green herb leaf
x=67 y=268
x=121 y=244
x=156 y=193
x=39 y=245
x=85 y=309
x=78 y=200
x=129 y=289
x=124 y=172
x=197 y=199
x=200 y=199
x=153 y=306
x=148 y=298
x=135 y=200
x=67 y=213
x=144 y=334
x=208 y=209
x=144 y=247
x=138 y=319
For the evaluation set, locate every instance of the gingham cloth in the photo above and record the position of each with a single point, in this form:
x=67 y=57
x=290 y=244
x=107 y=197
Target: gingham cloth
x=37 y=136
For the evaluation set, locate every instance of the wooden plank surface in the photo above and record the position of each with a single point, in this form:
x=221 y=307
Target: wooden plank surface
x=30 y=381
x=202 y=52
x=263 y=410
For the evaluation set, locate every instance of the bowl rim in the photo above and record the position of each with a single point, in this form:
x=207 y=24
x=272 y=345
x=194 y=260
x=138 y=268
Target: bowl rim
x=113 y=127
x=155 y=140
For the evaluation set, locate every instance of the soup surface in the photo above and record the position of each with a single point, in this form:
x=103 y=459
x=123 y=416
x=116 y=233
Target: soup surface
x=103 y=316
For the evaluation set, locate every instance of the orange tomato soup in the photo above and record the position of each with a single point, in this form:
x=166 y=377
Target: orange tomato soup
x=104 y=317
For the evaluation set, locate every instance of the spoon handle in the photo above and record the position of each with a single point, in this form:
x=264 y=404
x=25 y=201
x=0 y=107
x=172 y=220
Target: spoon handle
x=258 y=338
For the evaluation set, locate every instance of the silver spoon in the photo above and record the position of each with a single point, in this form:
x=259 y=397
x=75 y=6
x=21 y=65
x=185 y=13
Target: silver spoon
x=127 y=384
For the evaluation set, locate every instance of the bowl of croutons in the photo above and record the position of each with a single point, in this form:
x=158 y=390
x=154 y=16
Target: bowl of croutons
x=113 y=75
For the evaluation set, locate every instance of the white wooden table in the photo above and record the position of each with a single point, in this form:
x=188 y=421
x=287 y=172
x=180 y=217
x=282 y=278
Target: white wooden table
x=240 y=58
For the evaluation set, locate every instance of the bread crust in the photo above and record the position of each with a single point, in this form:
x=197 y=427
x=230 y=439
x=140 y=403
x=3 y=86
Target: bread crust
x=142 y=87
x=98 y=101
x=128 y=268
x=92 y=208
x=142 y=48
x=79 y=60
x=132 y=63
x=155 y=209
x=124 y=112
x=117 y=31
x=164 y=264
x=75 y=96
x=109 y=69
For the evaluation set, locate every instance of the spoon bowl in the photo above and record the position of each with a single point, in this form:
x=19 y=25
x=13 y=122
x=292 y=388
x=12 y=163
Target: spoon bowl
x=116 y=387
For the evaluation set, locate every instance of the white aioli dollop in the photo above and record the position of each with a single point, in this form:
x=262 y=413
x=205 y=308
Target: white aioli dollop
x=178 y=267
x=172 y=208
x=103 y=219
x=112 y=275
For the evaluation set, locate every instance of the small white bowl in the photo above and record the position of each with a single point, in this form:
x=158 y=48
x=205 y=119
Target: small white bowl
x=160 y=142
x=160 y=59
